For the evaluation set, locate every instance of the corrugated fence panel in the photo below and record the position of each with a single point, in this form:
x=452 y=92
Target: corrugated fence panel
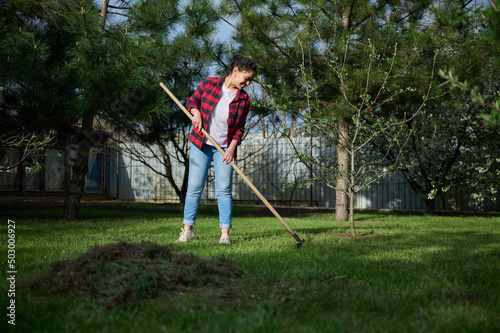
x=271 y=166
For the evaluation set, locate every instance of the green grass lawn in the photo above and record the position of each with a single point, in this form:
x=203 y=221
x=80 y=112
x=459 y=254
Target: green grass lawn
x=405 y=274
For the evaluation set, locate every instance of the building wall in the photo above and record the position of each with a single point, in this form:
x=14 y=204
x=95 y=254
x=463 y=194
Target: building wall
x=52 y=174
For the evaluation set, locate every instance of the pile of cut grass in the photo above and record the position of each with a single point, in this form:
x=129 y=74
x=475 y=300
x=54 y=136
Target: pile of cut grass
x=127 y=273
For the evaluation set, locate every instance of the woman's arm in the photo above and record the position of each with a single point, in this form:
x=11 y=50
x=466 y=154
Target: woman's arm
x=194 y=102
x=193 y=105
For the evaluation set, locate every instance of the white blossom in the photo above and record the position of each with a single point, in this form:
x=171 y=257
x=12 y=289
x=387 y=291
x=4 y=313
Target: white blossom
x=478 y=197
x=480 y=169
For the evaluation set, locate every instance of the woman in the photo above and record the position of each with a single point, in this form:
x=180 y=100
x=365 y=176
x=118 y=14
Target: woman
x=220 y=106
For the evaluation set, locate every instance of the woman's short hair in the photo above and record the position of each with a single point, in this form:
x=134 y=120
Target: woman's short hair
x=243 y=64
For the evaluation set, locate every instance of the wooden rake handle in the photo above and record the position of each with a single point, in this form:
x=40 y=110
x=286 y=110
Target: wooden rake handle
x=238 y=170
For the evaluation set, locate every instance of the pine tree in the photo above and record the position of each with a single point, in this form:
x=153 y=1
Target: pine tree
x=88 y=71
x=111 y=62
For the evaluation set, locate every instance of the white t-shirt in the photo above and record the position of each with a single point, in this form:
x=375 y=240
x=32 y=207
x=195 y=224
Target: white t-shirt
x=217 y=122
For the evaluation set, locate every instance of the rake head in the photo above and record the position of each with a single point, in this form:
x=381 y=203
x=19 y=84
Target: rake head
x=299 y=241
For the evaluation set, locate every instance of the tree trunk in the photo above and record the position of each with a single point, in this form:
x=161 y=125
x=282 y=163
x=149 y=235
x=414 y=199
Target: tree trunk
x=167 y=163
x=431 y=206
x=351 y=213
x=352 y=193
x=85 y=142
x=104 y=13
x=341 y=199
x=77 y=182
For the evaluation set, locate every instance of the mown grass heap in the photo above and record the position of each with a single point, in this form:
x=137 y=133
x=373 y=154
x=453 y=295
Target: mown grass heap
x=127 y=273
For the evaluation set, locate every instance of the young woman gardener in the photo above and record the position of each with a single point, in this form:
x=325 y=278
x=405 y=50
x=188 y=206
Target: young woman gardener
x=220 y=106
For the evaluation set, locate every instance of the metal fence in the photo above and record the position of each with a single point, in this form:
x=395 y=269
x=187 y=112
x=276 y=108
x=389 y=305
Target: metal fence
x=271 y=167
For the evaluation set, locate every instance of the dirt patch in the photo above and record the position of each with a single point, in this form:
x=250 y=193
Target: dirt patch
x=127 y=273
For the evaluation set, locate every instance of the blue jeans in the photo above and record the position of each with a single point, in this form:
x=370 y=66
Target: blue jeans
x=199 y=162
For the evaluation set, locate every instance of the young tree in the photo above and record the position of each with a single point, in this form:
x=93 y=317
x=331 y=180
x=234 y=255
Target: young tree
x=27 y=146
x=163 y=141
x=333 y=43
x=166 y=139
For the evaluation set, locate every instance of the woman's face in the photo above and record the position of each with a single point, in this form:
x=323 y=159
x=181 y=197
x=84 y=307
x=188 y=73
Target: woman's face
x=241 y=79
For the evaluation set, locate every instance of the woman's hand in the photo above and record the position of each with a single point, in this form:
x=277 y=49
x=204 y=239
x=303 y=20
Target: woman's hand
x=197 y=121
x=229 y=155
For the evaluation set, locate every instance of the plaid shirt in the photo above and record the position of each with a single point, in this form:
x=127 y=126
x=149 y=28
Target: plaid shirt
x=206 y=97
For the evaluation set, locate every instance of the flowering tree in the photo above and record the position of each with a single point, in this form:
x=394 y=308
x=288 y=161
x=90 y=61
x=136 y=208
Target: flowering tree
x=450 y=147
x=365 y=165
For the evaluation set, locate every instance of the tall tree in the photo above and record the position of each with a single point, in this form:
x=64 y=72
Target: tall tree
x=110 y=60
x=170 y=43
x=96 y=70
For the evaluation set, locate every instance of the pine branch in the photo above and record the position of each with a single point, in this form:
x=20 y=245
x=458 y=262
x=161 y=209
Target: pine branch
x=121 y=14
x=350 y=14
x=467 y=70
x=267 y=10
x=281 y=50
x=223 y=19
x=117 y=7
x=87 y=34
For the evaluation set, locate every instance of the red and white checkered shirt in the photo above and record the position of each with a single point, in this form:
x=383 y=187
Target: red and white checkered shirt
x=206 y=97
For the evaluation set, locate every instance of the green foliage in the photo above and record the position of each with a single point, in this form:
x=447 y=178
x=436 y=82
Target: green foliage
x=488 y=44
x=335 y=69
x=58 y=67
